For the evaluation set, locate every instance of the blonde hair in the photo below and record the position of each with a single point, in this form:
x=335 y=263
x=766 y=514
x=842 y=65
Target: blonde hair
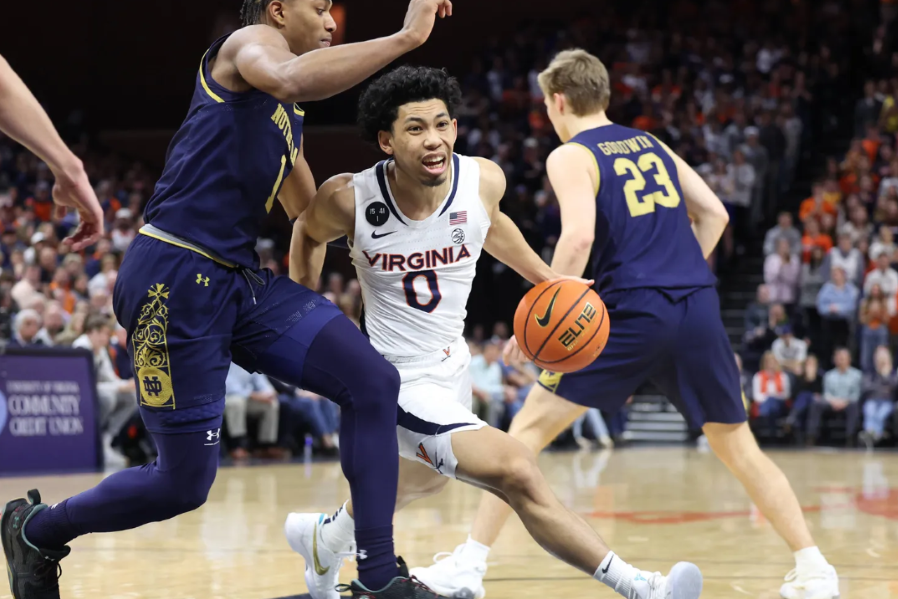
x=770 y=357
x=581 y=77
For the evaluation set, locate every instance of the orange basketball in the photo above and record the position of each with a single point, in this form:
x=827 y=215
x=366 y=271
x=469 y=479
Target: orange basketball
x=561 y=325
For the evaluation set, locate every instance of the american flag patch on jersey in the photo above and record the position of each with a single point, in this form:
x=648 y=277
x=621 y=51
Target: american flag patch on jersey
x=458 y=218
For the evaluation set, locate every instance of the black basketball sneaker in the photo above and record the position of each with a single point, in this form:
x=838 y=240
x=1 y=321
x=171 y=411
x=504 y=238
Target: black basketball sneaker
x=401 y=587
x=33 y=573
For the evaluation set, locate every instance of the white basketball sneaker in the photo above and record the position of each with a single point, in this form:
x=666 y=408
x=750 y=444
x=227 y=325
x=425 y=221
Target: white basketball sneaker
x=816 y=584
x=453 y=575
x=303 y=532
x=684 y=581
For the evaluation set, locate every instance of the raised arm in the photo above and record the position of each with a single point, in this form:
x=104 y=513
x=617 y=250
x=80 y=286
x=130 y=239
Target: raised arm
x=575 y=179
x=263 y=59
x=23 y=119
x=505 y=242
x=330 y=215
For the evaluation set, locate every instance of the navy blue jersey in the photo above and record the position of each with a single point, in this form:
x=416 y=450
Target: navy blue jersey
x=225 y=166
x=644 y=237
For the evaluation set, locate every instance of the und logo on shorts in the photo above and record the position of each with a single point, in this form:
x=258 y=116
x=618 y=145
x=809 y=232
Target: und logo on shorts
x=151 y=359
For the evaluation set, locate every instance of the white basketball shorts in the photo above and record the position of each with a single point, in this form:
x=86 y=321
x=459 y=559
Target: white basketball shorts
x=434 y=402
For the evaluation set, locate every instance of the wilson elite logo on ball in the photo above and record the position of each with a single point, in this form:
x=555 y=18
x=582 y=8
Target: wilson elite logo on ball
x=562 y=325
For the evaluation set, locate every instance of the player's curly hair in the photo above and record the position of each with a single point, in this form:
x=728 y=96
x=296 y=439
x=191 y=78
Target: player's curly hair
x=379 y=104
x=252 y=10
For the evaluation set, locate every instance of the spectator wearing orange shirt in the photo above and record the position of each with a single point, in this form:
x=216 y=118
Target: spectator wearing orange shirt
x=812 y=238
x=41 y=203
x=814 y=207
x=872 y=142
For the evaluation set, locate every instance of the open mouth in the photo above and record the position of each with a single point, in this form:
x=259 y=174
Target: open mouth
x=435 y=165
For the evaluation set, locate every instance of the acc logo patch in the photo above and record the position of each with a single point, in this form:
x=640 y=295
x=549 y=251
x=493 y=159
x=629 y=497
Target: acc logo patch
x=458 y=236
x=377 y=214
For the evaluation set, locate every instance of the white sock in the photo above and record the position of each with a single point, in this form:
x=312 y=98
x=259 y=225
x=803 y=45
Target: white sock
x=338 y=531
x=809 y=559
x=616 y=573
x=474 y=551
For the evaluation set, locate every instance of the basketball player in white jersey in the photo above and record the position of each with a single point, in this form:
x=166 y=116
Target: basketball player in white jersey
x=595 y=188
x=417 y=224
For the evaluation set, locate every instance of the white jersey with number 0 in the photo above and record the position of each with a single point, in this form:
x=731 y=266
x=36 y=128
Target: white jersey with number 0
x=416 y=275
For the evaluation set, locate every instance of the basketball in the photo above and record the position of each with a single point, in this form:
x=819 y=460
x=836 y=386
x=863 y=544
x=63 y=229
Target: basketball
x=561 y=325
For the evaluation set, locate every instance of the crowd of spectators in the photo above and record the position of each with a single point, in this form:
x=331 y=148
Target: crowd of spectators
x=740 y=94
x=823 y=329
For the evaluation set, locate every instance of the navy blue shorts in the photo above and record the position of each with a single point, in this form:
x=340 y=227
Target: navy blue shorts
x=188 y=317
x=676 y=341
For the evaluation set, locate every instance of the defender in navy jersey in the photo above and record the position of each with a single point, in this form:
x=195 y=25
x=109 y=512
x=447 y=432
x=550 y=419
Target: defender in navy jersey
x=646 y=221
x=193 y=299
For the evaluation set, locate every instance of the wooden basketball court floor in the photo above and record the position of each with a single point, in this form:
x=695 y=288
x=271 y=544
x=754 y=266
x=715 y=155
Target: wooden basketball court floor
x=654 y=506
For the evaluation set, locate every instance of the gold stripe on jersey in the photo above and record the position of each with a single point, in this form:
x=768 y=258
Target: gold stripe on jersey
x=211 y=93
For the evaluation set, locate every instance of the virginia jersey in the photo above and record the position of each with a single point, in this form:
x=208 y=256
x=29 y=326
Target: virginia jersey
x=416 y=275
x=643 y=237
x=225 y=167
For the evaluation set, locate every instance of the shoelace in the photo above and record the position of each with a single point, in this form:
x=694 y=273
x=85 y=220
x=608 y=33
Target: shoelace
x=344 y=588
x=46 y=570
x=441 y=556
x=656 y=589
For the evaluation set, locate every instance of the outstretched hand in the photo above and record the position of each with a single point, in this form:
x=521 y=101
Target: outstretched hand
x=421 y=16
x=73 y=190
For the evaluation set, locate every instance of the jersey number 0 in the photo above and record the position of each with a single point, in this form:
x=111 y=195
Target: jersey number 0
x=644 y=203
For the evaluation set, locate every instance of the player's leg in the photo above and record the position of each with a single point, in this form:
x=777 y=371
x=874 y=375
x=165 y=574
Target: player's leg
x=316 y=348
x=543 y=417
x=172 y=329
x=551 y=407
x=493 y=460
x=703 y=382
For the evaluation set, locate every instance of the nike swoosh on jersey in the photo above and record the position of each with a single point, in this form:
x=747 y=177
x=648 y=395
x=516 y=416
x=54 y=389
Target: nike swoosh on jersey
x=374 y=235
x=544 y=321
x=318 y=569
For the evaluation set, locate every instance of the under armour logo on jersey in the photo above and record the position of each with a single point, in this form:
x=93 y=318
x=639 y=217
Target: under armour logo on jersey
x=200 y=280
x=213 y=435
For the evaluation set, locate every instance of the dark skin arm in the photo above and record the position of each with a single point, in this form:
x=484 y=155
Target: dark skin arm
x=258 y=57
x=299 y=188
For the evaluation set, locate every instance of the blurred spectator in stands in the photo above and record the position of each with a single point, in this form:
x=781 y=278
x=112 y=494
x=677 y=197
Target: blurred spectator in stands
x=486 y=377
x=867 y=109
x=26 y=327
x=883 y=275
x=741 y=178
x=808 y=389
x=771 y=389
x=848 y=258
x=813 y=275
x=123 y=232
x=761 y=339
x=756 y=312
x=251 y=395
x=841 y=393
x=884 y=243
x=836 y=305
x=814 y=237
x=814 y=207
x=54 y=324
x=74 y=328
x=781 y=275
x=875 y=313
x=783 y=230
x=792 y=128
x=117 y=397
x=304 y=409
x=789 y=351
x=880 y=388
x=757 y=156
x=771 y=137
x=28 y=286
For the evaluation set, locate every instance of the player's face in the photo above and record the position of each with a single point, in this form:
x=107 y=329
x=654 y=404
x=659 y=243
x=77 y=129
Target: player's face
x=308 y=24
x=555 y=108
x=422 y=141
